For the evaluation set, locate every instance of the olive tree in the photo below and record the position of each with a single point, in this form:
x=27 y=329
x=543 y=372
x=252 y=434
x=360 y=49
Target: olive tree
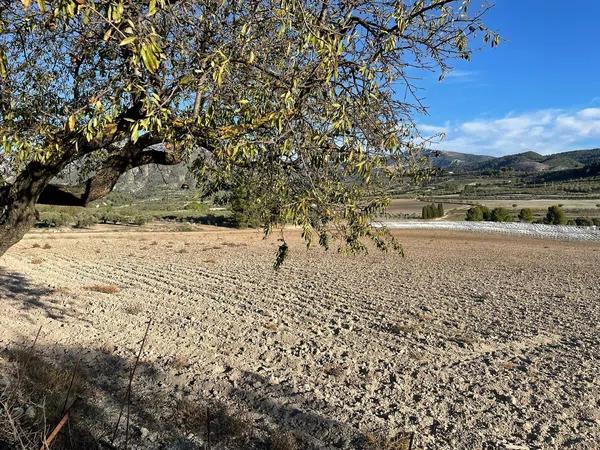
x=308 y=103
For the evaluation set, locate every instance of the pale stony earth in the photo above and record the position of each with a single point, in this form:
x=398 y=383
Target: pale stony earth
x=471 y=341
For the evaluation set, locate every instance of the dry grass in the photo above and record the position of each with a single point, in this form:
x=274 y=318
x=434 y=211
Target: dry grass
x=103 y=288
x=399 y=442
x=35 y=399
x=200 y=417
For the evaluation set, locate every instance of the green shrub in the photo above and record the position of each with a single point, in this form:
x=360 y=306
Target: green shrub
x=526 y=215
x=246 y=209
x=555 y=216
x=596 y=221
x=55 y=219
x=478 y=213
x=584 y=222
x=501 y=215
x=185 y=227
x=196 y=206
x=85 y=221
x=139 y=220
x=432 y=211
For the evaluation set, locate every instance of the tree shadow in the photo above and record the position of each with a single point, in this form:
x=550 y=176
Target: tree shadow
x=160 y=417
x=27 y=294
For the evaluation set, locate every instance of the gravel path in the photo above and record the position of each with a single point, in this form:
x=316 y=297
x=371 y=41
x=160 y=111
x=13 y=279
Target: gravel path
x=534 y=230
x=470 y=341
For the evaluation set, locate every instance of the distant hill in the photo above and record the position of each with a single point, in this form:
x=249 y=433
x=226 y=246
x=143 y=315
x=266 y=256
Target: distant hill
x=527 y=162
x=455 y=160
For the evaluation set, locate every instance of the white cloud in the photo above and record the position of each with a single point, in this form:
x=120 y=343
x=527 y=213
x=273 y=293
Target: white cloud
x=544 y=131
x=461 y=76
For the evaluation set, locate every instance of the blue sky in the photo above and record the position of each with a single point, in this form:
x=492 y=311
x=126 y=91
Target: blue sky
x=539 y=90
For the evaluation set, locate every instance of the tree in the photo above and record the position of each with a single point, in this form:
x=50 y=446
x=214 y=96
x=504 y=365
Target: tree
x=478 y=213
x=440 y=210
x=297 y=96
x=526 y=215
x=474 y=214
x=501 y=215
x=555 y=216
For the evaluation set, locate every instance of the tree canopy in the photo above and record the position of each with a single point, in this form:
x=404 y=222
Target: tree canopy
x=305 y=103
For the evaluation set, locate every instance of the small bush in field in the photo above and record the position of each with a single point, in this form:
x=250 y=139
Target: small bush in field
x=196 y=206
x=140 y=220
x=478 y=213
x=85 y=221
x=555 y=216
x=584 y=222
x=526 y=215
x=501 y=215
x=55 y=220
x=103 y=288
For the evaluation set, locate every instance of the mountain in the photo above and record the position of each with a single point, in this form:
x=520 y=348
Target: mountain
x=455 y=160
x=151 y=177
x=527 y=162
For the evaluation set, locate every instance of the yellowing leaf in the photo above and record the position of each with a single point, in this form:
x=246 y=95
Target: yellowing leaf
x=71 y=123
x=26 y=3
x=3 y=64
x=128 y=40
x=152 y=8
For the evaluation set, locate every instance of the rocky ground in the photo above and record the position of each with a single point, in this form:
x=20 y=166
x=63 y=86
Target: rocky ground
x=470 y=341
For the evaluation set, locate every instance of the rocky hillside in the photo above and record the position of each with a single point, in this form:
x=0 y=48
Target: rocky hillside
x=527 y=162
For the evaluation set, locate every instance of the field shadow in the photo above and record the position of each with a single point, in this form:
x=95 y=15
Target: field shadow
x=17 y=286
x=30 y=296
x=159 y=416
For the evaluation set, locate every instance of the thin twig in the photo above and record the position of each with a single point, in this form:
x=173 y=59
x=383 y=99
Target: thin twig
x=64 y=408
x=14 y=427
x=32 y=348
x=207 y=428
x=128 y=394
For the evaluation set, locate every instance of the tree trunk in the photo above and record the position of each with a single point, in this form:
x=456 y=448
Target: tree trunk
x=16 y=219
x=18 y=200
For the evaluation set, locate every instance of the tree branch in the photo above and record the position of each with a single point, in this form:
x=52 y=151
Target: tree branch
x=105 y=179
